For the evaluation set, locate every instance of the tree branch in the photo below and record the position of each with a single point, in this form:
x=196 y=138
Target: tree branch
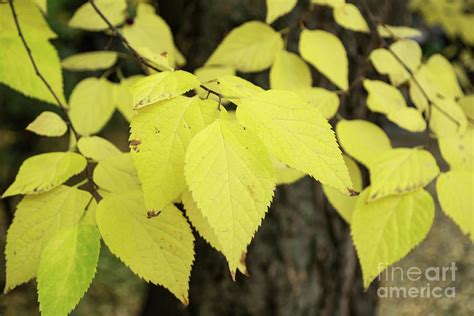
x=142 y=60
x=371 y=21
x=62 y=106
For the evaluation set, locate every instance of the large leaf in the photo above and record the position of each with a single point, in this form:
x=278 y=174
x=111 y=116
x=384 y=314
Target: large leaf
x=116 y=174
x=327 y=53
x=231 y=178
x=384 y=231
x=160 y=135
x=296 y=134
x=401 y=170
x=67 y=267
x=250 y=47
x=158 y=249
x=37 y=219
x=21 y=76
x=97 y=148
x=44 y=172
x=455 y=194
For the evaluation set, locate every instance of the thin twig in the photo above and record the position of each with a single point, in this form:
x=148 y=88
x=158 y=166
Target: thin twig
x=374 y=31
x=62 y=106
x=142 y=60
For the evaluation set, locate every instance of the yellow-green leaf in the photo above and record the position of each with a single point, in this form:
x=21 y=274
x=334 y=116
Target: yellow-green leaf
x=454 y=190
x=401 y=170
x=398 y=31
x=44 y=172
x=158 y=249
x=48 y=124
x=208 y=76
x=386 y=230
x=289 y=72
x=331 y=3
x=87 y=18
x=344 y=204
x=409 y=119
x=116 y=174
x=408 y=51
x=21 y=76
x=447 y=118
x=152 y=38
x=327 y=53
x=236 y=89
x=458 y=150
x=37 y=219
x=91 y=105
x=467 y=105
x=362 y=140
x=296 y=134
x=90 y=61
x=277 y=8
x=124 y=98
x=348 y=16
x=327 y=102
x=231 y=178
x=160 y=134
x=97 y=148
x=250 y=47
x=285 y=174
x=67 y=267
x=162 y=86
x=383 y=97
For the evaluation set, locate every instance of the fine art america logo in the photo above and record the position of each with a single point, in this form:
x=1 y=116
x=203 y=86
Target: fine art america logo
x=432 y=282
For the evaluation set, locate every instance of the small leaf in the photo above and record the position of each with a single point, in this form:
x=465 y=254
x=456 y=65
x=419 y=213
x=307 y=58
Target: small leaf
x=230 y=175
x=287 y=125
x=277 y=8
x=162 y=86
x=454 y=190
x=408 y=51
x=158 y=249
x=116 y=174
x=124 y=98
x=86 y=17
x=160 y=135
x=362 y=140
x=37 y=219
x=447 y=118
x=401 y=170
x=91 y=105
x=348 y=16
x=48 y=124
x=97 y=148
x=344 y=204
x=90 y=61
x=44 y=172
x=285 y=174
x=409 y=119
x=386 y=230
x=327 y=53
x=383 y=97
x=398 y=31
x=250 y=47
x=67 y=267
x=330 y=3
x=289 y=72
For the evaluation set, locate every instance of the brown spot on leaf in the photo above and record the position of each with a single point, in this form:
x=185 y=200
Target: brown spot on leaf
x=151 y=214
x=134 y=144
x=353 y=192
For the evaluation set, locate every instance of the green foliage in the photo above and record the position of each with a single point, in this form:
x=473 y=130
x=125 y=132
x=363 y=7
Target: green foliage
x=219 y=144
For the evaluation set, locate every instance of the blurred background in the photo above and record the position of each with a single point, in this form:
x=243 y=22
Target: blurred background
x=301 y=261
